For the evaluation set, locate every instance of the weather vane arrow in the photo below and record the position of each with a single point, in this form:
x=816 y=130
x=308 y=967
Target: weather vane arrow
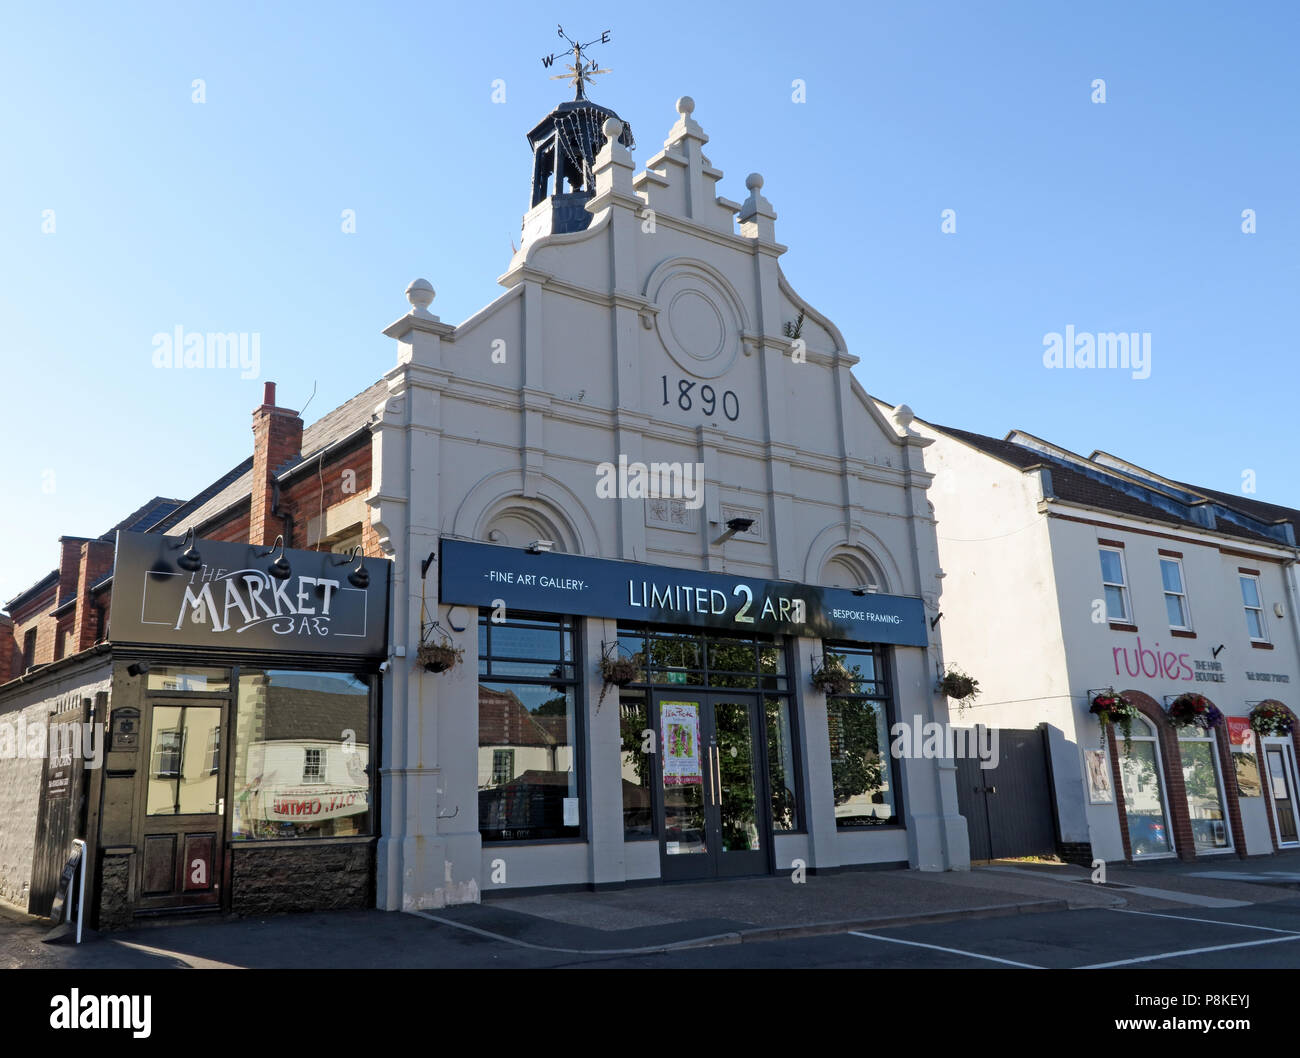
x=582 y=69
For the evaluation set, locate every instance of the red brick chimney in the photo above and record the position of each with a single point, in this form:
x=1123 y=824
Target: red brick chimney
x=277 y=439
x=9 y=662
x=96 y=561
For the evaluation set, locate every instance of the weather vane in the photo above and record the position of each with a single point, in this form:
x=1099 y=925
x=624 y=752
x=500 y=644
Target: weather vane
x=582 y=69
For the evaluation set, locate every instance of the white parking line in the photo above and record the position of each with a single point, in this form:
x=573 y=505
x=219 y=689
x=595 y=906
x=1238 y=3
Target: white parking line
x=1188 y=951
x=1210 y=921
x=950 y=951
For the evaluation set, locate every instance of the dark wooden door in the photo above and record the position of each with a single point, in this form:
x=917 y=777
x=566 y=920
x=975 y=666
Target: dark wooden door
x=182 y=846
x=1009 y=809
x=60 y=814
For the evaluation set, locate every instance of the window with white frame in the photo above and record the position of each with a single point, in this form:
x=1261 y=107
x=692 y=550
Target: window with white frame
x=313 y=765
x=1171 y=577
x=1115 y=584
x=1254 y=606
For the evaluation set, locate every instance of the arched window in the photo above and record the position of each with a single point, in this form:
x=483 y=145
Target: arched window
x=1142 y=775
x=1203 y=780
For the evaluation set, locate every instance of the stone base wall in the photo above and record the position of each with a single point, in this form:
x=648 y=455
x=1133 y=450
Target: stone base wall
x=114 y=893
x=324 y=877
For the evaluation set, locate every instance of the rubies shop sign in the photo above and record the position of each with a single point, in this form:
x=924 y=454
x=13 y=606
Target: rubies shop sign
x=205 y=593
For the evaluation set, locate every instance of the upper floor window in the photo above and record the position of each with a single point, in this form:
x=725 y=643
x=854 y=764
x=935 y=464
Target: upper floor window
x=313 y=766
x=1171 y=576
x=29 y=648
x=1115 y=583
x=1254 y=606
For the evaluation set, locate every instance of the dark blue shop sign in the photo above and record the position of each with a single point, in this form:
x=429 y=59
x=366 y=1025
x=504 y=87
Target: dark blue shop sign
x=485 y=575
x=170 y=591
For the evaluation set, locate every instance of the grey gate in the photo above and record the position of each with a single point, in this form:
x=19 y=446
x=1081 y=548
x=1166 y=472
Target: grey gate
x=1009 y=809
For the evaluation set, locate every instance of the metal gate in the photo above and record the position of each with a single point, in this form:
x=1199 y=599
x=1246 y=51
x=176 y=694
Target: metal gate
x=1009 y=808
x=61 y=813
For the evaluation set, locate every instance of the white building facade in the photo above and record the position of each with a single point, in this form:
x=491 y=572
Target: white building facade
x=1069 y=576
x=781 y=519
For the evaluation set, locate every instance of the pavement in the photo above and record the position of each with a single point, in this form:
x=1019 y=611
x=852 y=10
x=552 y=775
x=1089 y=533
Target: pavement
x=1220 y=911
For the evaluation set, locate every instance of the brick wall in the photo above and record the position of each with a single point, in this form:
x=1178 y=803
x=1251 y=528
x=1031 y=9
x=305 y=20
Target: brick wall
x=94 y=562
x=277 y=439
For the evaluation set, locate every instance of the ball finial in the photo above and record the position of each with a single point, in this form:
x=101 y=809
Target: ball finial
x=686 y=106
x=754 y=182
x=613 y=128
x=420 y=294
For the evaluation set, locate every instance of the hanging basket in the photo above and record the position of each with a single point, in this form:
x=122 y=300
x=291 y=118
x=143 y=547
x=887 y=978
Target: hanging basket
x=439 y=657
x=960 y=687
x=831 y=677
x=1194 y=710
x=618 y=672
x=1269 y=718
x=1111 y=708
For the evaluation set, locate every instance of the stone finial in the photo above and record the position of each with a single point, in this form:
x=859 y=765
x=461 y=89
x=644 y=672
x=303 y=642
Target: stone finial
x=686 y=106
x=757 y=216
x=420 y=294
x=904 y=416
x=613 y=128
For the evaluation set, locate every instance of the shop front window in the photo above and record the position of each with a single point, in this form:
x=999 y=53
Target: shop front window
x=1204 y=794
x=858 y=725
x=528 y=767
x=302 y=755
x=1144 y=799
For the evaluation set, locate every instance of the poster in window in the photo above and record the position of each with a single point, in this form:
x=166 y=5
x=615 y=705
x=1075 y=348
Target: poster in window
x=1098 y=767
x=680 y=730
x=1248 y=780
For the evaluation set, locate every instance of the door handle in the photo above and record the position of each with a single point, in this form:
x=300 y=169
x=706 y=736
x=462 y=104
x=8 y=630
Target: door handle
x=717 y=775
x=221 y=806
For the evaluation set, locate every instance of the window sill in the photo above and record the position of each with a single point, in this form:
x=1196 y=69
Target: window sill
x=1122 y=626
x=1182 y=633
x=1261 y=646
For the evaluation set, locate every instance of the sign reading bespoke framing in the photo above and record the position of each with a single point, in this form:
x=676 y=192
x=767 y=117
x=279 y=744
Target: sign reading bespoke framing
x=234 y=601
x=474 y=574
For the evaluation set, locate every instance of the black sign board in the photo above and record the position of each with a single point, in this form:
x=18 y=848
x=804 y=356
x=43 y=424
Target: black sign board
x=63 y=906
x=311 y=602
x=485 y=575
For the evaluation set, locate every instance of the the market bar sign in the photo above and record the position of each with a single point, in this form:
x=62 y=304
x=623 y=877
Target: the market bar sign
x=486 y=575
x=241 y=596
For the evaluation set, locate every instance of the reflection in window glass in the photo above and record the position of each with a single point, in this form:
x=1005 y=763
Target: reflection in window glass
x=187 y=678
x=780 y=764
x=302 y=753
x=638 y=819
x=182 y=778
x=1204 y=797
x=1148 y=829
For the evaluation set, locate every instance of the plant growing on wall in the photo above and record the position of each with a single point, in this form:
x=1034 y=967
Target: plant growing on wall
x=1111 y=708
x=1270 y=718
x=1194 y=710
x=959 y=686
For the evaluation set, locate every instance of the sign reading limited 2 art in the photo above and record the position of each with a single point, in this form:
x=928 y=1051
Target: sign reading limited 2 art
x=234 y=600
x=475 y=574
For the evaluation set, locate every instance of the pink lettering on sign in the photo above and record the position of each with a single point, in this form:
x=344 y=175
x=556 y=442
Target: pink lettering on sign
x=1143 y=661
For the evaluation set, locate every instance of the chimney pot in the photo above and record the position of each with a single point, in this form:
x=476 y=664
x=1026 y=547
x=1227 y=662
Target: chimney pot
x=268 y=394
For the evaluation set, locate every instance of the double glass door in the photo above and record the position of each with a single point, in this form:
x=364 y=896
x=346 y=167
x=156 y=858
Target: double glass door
x=712 y=786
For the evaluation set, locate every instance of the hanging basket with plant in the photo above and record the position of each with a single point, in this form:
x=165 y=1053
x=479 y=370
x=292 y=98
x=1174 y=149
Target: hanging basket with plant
x=960 y=687
x=1110 y=707
x=1194 y=710
x=1271 y=718
x=618 y=672
x=440 y=656
x=831 y=677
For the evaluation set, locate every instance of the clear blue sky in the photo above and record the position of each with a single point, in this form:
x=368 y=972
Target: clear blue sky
x=225 y=216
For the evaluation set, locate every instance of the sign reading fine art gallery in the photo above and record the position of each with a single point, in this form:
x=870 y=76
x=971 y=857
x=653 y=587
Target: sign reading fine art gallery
x=246 y=597
x=474 y=574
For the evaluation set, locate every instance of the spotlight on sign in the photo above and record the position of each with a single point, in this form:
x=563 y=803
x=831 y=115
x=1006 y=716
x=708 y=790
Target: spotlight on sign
x=190 y=561
x=279 y=569
x=734 y=526
x=540 y=547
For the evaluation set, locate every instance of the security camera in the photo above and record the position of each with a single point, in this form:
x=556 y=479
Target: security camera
x=138 y=668
x=383 y=666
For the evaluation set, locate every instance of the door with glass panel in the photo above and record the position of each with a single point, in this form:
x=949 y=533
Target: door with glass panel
x=1142 y=780
x=715 y=819
x=1205 y=802
x=182 y=851
x=1282 y=785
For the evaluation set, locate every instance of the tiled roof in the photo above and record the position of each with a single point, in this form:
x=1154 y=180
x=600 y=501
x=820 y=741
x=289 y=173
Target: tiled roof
x=1074 y=486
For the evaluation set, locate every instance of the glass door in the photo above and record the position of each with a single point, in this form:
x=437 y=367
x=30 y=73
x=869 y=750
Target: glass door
x=182 y=848
x=1282 y=785
x=711 y=771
